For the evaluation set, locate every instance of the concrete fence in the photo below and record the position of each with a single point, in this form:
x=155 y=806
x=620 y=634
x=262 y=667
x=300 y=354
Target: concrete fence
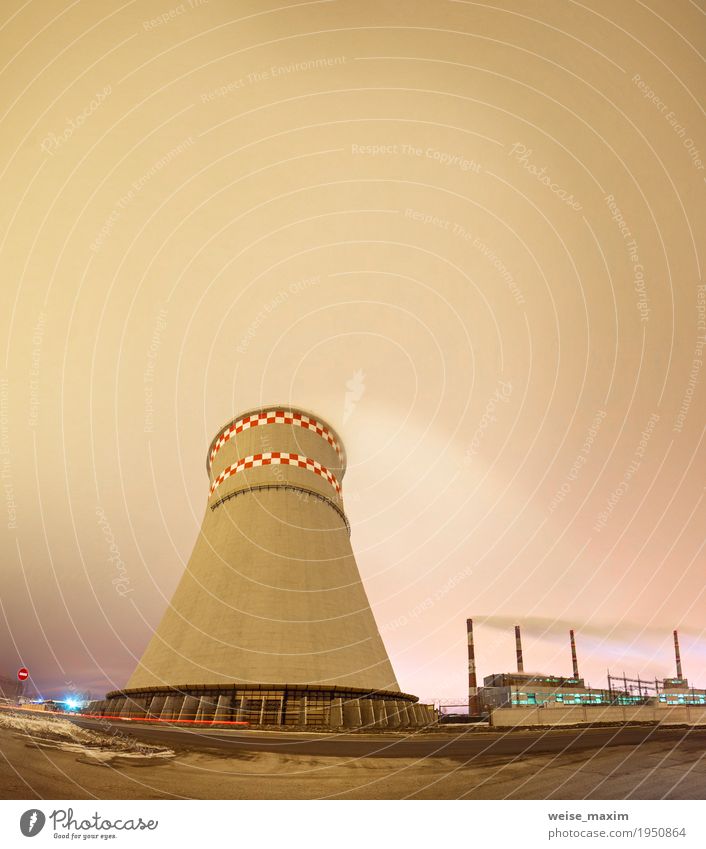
x=587 y=714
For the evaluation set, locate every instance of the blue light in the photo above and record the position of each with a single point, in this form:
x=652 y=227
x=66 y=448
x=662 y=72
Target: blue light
x=72 y=704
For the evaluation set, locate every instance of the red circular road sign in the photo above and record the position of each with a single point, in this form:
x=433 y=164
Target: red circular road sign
x=23 y=674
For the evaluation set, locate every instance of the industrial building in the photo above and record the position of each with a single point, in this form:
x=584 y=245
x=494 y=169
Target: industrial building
x=270 y=623
x=522 y=688
x=514 y=689
x=676 y=691
x=669 y=691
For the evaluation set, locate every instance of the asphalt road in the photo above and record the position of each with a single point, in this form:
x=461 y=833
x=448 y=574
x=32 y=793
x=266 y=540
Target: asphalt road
x=461 y=744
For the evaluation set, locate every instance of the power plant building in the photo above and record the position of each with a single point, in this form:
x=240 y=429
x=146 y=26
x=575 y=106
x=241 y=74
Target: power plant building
x=507 y=689
x=511 y=689
x=270 y=623
x=676 y=691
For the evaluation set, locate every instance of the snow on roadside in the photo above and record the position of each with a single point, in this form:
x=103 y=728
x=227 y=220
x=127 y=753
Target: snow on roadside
x=58 y=733
x=49 y=727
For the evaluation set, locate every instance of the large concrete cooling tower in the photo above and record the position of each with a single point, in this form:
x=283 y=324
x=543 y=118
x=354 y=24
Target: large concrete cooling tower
x=270 y=622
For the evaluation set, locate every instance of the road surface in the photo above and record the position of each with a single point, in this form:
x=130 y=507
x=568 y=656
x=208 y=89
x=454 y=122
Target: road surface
x=458 y=744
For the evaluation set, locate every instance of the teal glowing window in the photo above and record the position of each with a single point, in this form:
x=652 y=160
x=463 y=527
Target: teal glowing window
x=682 y=698
x=524 y=699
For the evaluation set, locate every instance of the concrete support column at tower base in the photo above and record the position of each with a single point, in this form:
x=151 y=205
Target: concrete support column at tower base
x=411 y=716
x=393 y=714
x=240 y=712
x=420 y=715
x=379 y=713
x=156 y=707
x=336 y=716
x=190 y=708
x=172 y=707
x=207 y=709
x=351 y=713
x=115 y=706
x=403 y=714
x=134 y=708
x=141 y=706
x=224 y=709
x=367 y=717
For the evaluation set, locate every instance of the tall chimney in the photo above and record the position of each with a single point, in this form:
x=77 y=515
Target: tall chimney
x=574 y=659
x=473 y=701
x=677 y=655
x=518 y=649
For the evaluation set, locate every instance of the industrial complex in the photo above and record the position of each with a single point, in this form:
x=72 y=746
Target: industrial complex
x=518 y=688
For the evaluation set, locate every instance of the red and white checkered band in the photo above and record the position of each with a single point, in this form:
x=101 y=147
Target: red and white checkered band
x=275 y=458
x=276 y=417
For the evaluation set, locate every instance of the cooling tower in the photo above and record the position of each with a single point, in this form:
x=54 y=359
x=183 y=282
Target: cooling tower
x=270 y=623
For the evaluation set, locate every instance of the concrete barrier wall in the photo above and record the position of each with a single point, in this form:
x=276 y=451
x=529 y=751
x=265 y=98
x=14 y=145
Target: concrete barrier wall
x=570 y=714
x=678 y=715
x=697 y=715
x=583 y=715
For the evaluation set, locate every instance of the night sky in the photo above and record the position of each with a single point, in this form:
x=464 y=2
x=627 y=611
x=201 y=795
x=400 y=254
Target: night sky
x=471 y=238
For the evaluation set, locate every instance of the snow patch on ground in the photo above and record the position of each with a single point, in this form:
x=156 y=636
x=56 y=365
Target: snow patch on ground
x=51 y=727
x=56 y=733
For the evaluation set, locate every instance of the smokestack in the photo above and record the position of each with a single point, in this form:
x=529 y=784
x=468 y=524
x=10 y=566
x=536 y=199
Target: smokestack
x=574 y=659
x=518 y=649
x=473 y=702
x=677 y=655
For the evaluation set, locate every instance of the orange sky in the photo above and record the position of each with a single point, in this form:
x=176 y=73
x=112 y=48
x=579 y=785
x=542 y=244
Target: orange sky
x=468 y=235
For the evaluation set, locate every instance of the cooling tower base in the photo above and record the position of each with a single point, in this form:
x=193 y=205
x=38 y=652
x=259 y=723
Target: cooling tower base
x=285 y=706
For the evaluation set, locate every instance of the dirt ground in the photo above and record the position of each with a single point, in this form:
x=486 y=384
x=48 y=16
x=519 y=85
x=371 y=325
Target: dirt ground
x=33 y=768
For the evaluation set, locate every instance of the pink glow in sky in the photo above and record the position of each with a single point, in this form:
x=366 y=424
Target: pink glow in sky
x=465 y=236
